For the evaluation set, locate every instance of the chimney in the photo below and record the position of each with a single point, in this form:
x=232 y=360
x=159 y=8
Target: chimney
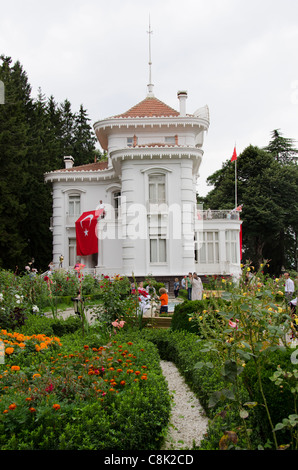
x=68 y=161
x=182 y=96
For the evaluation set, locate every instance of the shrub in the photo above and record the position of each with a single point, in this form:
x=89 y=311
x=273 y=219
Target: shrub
x=281 y=401
x=186 y=314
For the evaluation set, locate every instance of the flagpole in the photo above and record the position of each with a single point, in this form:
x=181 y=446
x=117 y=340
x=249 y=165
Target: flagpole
x=236 y=184
x=234 y=159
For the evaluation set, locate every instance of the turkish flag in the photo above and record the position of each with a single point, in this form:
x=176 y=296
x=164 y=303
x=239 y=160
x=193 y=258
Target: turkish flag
x=86 y=233
x=234 y=156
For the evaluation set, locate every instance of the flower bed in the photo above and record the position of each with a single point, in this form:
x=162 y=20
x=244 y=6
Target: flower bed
x=97 y=397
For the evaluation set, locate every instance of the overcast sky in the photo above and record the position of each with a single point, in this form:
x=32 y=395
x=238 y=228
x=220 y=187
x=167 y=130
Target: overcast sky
x=239 y=57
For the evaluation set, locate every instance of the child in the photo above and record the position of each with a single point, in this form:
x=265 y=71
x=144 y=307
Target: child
x=176 y=287
x=163 y=300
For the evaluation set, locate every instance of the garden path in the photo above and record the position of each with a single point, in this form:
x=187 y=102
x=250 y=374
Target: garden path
x=188 y=422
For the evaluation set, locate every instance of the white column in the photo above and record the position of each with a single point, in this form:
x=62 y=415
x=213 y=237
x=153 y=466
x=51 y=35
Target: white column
x=187 y=210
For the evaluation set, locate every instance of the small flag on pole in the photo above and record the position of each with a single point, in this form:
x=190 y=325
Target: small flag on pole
x=234 y=156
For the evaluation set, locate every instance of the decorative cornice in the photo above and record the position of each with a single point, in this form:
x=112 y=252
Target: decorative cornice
x=87 y=175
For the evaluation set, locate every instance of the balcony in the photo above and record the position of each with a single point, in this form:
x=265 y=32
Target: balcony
x=217 y=215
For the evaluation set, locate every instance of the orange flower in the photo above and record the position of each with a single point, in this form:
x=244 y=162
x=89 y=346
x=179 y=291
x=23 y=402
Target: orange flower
x=144 y=377
x=15 y=368
x=137 y=372
x=56 y=406
x=5 y=411
x=86 y=347
x=122 y=382
x=12 y=406
x=9 y=351
x=32 y=410
x=34 y=376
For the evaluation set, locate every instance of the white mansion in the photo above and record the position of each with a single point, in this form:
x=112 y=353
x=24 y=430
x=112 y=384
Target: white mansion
x=152 y=224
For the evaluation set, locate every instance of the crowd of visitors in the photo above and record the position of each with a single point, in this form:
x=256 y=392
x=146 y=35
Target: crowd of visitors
x=193 y=285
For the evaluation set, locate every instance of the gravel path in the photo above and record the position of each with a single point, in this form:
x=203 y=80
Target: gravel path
x=188 y=421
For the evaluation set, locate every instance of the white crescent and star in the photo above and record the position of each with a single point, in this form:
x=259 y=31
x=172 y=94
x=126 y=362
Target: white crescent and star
x=90 y=217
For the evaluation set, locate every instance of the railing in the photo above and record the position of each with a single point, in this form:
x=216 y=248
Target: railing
x=216 y=215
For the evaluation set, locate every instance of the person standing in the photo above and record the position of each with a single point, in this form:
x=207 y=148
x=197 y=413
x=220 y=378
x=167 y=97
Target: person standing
x=197 y=287
x=189 y=286
x=176 y=287
x=289 y=287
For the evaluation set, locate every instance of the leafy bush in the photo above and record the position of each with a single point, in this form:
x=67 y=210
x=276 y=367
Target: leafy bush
x=281 y=401
x=186 y=314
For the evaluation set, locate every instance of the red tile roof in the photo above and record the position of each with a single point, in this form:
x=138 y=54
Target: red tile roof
x=149 y=107
x=88 y=167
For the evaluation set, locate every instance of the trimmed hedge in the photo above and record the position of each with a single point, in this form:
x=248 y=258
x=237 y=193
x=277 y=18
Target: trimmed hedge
x=181 y=319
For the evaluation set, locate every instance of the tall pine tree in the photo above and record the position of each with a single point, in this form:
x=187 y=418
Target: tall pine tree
x=14 y=132
x=35 y=135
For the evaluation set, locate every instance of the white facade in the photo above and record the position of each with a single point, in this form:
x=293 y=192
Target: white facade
x=148 y=185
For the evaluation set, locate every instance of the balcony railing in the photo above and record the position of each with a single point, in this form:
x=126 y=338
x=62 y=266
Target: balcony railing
x=217 y=215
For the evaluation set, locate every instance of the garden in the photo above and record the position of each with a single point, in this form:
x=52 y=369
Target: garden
x=93 y=380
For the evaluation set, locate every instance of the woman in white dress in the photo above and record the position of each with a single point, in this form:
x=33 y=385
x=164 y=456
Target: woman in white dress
x=197 y=287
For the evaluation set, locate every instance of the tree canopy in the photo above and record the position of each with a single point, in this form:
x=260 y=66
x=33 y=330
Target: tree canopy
x=267 y=186
x=35 y=135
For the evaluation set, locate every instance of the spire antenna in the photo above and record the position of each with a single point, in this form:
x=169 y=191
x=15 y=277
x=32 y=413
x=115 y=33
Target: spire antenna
x=150 y=85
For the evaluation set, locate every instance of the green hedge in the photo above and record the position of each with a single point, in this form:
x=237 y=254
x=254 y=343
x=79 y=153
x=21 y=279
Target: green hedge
x=185 y=350
x=182 y=316
x=50 y=326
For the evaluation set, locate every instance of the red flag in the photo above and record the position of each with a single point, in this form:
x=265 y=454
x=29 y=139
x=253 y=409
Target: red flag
x=234 y=156
x=86 y=234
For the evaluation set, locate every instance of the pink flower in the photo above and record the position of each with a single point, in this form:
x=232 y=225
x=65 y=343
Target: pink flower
x=233 y=324
x=119 y=324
